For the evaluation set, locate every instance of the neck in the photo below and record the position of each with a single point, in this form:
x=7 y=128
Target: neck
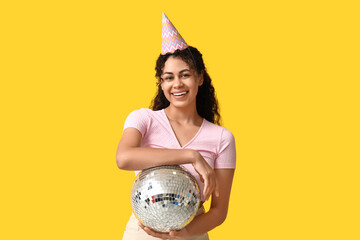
x=183 y=115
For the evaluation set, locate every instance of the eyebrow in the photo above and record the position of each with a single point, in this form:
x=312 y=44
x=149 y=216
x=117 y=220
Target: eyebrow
x=184 y=70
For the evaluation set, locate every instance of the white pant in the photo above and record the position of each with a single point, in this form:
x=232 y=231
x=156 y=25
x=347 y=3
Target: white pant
x=134 y=232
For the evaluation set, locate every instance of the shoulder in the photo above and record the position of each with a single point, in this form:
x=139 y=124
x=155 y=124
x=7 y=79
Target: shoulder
x=140 y=119
x=147 y=121
x=215 y=137
x=141 y=111
x=222 y=132
x=222 y=143
x=144 y=116
x=227 y=135
x=144 y=113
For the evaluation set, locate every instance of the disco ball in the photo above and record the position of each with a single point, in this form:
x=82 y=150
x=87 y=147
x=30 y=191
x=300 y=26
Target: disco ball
x=165 y=198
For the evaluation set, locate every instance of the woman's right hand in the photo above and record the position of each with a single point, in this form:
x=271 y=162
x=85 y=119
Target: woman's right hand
x=207 y=176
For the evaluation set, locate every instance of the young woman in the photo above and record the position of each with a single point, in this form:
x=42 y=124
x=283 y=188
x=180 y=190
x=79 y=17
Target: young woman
x=182 y=128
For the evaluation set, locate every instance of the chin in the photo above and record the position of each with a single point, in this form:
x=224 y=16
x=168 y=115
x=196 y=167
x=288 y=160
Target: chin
x=181 y=104
x=178 y=105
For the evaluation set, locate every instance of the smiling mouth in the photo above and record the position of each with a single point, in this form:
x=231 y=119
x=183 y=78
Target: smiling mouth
x=180 y=94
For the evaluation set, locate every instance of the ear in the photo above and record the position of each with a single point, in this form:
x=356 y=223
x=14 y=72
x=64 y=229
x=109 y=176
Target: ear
x=201 y=76
x=160 y=84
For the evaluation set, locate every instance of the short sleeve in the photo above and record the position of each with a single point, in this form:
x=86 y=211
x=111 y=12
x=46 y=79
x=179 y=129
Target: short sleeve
x=226 y=157
x=138 y=119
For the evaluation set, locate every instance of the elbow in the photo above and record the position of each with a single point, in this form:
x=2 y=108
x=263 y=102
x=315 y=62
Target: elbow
x=221 y=218
x=122 y=160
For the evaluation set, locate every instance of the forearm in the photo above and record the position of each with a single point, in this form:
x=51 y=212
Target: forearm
x=205 y=222
x=138 y=158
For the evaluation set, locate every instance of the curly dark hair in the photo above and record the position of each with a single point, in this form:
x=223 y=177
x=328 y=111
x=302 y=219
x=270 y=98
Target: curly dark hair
x=206 y=103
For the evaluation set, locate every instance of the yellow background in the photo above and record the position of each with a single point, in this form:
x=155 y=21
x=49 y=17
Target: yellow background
x=286 y=75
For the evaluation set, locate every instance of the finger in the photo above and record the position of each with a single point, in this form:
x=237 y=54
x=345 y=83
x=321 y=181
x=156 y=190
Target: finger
x=179 y=233
x=156 y=234
x=201 y=178
x=211 y=186
x=206 y=189
x=217 y=187
x=172 y=234
x=210 y=189
x=148 y=231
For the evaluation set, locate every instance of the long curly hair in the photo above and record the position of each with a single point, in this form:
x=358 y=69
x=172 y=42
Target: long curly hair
x=206 y=103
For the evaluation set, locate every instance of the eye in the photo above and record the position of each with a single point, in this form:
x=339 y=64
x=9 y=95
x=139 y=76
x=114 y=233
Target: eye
x=185 y=75
x=169 y=78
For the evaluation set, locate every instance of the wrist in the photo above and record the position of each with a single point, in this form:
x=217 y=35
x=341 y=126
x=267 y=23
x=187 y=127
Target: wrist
x=193 y=156
x=186 y=232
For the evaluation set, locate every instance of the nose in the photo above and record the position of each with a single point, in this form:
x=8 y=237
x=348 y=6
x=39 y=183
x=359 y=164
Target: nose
x=177 y=82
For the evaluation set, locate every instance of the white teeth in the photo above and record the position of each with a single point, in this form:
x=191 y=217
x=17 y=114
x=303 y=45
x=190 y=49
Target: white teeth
x=179 y=94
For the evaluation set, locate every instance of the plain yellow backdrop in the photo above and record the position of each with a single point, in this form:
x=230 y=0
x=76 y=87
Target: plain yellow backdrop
x=286 y=75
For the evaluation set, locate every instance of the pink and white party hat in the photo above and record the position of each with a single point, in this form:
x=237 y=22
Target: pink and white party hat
x=171 y=38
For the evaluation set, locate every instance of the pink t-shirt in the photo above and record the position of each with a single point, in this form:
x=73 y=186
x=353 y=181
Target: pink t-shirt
x=215 y=143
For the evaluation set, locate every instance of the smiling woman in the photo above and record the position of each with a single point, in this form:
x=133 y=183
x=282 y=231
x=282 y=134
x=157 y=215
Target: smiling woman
x=182 y=127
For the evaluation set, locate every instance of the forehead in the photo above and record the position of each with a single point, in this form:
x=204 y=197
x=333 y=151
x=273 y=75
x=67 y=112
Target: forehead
x=175 y=65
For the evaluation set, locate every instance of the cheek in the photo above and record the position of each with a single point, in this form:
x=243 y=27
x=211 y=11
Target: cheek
x=163 y=87
x=165 y=90
x=195 y=89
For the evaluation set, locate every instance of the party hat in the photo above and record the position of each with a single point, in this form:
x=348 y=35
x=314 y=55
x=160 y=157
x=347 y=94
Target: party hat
x=171 y=38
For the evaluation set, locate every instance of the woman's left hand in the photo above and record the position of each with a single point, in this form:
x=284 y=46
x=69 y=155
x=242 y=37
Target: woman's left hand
x=170 y=235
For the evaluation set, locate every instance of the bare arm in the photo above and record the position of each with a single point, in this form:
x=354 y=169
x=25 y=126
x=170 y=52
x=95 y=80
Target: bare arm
x=131 y=156
x=207 y=221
